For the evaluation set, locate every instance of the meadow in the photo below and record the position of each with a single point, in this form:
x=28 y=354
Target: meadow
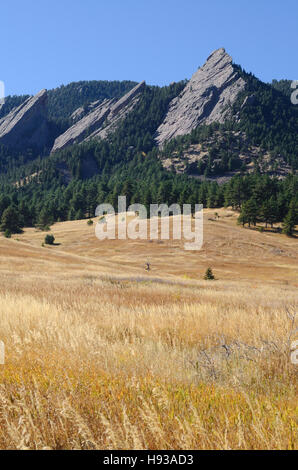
x=102 y=354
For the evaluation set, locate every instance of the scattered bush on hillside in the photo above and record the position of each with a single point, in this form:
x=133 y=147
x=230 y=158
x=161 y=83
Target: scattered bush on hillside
x=7 y=233
x=49 y=239
x=209 y=276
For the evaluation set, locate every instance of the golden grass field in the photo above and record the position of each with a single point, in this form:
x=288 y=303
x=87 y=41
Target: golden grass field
x=101 y=354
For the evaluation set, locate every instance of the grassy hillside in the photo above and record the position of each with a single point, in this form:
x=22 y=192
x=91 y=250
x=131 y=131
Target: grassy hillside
x=101 y=353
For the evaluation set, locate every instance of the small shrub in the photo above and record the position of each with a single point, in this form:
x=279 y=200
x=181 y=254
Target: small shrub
x=43 y=228
x=261 y=229
x=7 y=233
x=90 y=222
x=209 y=276
x=49 y=239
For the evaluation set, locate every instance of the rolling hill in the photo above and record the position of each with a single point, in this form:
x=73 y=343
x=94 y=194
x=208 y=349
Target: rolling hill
x=101 y=353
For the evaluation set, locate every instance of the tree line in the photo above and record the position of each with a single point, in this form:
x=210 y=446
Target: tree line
x=258 y=198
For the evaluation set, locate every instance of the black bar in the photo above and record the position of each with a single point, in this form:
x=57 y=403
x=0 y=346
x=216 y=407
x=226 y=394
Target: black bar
x=135 y=459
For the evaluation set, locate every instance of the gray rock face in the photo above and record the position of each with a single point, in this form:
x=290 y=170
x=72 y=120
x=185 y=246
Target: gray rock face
x=80 y=112
x=100 y=122
x=78 y=132
x=205 y=99
x=26 y=124
x=119 y=111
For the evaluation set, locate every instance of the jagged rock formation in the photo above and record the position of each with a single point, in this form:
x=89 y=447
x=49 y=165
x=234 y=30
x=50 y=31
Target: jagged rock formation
x=100 y=122
x=80 y=112
x=79 y=131
x=205 y=99
x=119 y=111
x=27 y=124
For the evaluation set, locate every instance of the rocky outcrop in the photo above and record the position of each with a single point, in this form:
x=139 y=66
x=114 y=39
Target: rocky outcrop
x=206 y=98
x=80 y=130
x=80 y=112
x=27 y=124
x=100 y=122
x=119 y=111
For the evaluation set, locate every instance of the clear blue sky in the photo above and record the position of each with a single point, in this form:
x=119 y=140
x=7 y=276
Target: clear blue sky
x=48 y=43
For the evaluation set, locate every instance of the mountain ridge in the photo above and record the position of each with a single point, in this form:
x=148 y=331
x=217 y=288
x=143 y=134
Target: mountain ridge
x=205 y=99
x=92 y=123
x=167 y=119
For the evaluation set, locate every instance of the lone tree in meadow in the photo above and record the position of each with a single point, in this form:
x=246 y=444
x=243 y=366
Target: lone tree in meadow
x=49 y=239
x=209 y=276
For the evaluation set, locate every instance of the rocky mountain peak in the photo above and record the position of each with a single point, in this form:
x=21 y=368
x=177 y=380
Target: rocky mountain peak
x=206 y=98
x=101 y=121
x=27 y=123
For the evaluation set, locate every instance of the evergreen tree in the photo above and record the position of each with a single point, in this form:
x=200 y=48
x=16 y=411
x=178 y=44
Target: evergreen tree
x=209 y=276
x=269 y=212
x=45 y=219
x=11 y=220
x=249 y=213
x=49 y=239
x=291 y=219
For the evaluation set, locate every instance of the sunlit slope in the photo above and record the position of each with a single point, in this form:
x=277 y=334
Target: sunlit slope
x=233 y=253
x=101 y=354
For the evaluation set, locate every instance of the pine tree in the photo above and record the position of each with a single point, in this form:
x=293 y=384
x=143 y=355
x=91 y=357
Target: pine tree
x=26 y=214
x=269 y=212
x=49 y=239
x=291 y=219
x=44 y=219
x=71 y=214
x=249 y=213
x=209 y=276
x=11 y=220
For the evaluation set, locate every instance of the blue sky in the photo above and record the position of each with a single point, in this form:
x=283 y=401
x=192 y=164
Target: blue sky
x=49 y=43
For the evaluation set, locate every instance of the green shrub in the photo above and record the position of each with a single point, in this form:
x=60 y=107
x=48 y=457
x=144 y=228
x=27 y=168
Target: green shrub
x=7 y=233
x=90 y=222
x=49 y=239
x=209 y=276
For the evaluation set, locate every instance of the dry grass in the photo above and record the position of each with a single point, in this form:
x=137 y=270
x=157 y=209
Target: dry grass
x=101 y=354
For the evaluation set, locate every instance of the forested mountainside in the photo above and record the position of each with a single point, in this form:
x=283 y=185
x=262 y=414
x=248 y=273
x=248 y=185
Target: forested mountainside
x=152 y=144
x=284 y=86
x=63 y=101
x=260 y=134
x=12 y=102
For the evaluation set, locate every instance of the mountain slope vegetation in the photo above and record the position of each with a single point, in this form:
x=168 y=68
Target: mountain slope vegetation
x=256 y=147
